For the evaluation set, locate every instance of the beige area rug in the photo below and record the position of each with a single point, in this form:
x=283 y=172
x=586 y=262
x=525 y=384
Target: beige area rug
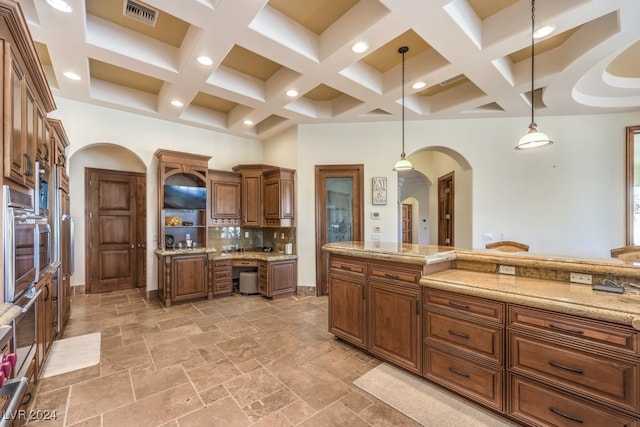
x=73 y=353
x=423 y=402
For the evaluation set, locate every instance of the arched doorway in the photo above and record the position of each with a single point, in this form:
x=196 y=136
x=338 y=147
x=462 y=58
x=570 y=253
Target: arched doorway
x=430 y=164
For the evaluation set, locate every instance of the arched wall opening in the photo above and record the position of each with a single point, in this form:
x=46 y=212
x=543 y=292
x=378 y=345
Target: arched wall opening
x=101 y=156
x=430 y=163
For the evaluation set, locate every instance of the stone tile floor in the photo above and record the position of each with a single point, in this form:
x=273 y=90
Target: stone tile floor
x=233 y=361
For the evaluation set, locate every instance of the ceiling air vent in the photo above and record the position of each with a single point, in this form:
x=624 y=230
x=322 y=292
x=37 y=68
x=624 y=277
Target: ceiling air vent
x=140 y=12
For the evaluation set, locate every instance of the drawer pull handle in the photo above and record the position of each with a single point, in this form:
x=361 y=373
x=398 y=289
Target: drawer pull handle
x=363 y=292
x=458 y=334
x=575 y=420
x=417 y=305
x=345 y=267
x=566 y=368
x=458 y=304
x=571 y=331
x=457 y=372
x=391 y=276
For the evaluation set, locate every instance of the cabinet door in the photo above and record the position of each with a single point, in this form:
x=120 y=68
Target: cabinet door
x=395 y=331
x=189 y=277
x=43 y=329
x=347 y=309
x=225 y=200
x=251 y=200
x=16 y=160
x=286 y=199
x=282 y=277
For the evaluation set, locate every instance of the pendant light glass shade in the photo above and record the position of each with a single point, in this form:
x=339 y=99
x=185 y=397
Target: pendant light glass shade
x=403 y=164
x=533 y=138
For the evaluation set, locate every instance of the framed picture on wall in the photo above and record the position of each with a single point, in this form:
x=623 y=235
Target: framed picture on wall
x=379 y=190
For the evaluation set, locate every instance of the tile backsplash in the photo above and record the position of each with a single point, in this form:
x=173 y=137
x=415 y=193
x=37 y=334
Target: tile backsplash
x=229 y=238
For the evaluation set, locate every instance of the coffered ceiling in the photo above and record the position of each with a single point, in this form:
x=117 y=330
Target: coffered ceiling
x=473 y=57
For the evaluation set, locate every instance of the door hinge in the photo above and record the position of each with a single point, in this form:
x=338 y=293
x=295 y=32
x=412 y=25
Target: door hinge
x=447 y=190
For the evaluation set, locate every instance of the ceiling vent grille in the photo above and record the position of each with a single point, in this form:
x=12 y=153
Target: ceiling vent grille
x=140 y=12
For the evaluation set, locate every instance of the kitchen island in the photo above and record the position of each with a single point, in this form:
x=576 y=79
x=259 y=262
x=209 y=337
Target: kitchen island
x=531 y=345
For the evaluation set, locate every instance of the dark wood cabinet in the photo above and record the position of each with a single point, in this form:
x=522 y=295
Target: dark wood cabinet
x=377 y=306
x=64 y=241
x=222 y=280
x=267 y=196
x=185 y=276
x=282 y=278
x=45 y=329
x=568 y=370
x=347 y=301
x=224 y=195
x=395 y=330
x=278 y=196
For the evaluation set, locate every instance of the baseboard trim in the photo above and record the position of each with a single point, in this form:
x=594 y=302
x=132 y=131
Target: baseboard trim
x=306 y=291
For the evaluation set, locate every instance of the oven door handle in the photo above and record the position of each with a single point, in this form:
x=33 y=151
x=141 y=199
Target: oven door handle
x=31 y=302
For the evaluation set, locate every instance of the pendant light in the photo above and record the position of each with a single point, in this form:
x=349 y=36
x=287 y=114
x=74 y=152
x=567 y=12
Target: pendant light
x=403 y=164
x=533 y=138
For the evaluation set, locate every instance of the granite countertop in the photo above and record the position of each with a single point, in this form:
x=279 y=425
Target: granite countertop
x=252 y=255
x=563 y=297
x=400 y=252
x=8 y=312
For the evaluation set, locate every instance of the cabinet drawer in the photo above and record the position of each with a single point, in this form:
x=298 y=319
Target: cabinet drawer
x=609 y=380
x=538 y=405
x=476 y=308
x=222 y=264
x=474 y=380
x=390 y=273
x=580 y=331
x=221 y=287
x=480 y=340
x=340 y=264
x=244 y=263
x=224 y=274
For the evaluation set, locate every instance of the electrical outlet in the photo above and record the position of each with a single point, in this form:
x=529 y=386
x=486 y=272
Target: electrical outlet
x=587 y=279
x=376 y=229
x=246 y=234
x=282 y=235
x=487 y=237
x=375 y=237
x=275 y=234
x=507 y=269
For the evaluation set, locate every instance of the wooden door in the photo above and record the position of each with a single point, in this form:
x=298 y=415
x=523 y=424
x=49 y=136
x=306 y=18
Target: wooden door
x=282 y=277
x=251 y=199
x=407 y=232
x=446 y=210
x=112 y=246
x=189 y=277
x=339 y=212
x=141 y=231
x=347 y=308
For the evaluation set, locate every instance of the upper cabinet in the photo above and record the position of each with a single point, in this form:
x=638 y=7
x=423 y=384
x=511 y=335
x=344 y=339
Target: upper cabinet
x=182 y=199
x=26 y=97
x=278 y=197
x=59 y=142
x=224 y=195
x=266 y=196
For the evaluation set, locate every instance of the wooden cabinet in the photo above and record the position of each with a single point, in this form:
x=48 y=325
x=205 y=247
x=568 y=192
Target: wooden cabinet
x=278 y=193
x=395 y=330
x=182 y=213
x=464 y=345
x=377 y=306
x=591 y=368
x=277 y=278
x=63 y=227
x=26 y=97
x=59 y=142
x=222 y=282
x=45 y=329
x=224 y=196
x=347 y=300
x=267 y=196
x=185 y=276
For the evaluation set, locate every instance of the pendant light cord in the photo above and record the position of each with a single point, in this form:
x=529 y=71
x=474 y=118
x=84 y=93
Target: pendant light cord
x=533 y=20
x=403 y=50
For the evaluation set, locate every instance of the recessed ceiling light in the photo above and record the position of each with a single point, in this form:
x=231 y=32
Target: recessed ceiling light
x=360 y=47
x=60 y=5
x=205 y=60
x=176 y=103
x=71 y=75
x=418 y=85
x=248 y=122
x=292 y=93
x=543 y=31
